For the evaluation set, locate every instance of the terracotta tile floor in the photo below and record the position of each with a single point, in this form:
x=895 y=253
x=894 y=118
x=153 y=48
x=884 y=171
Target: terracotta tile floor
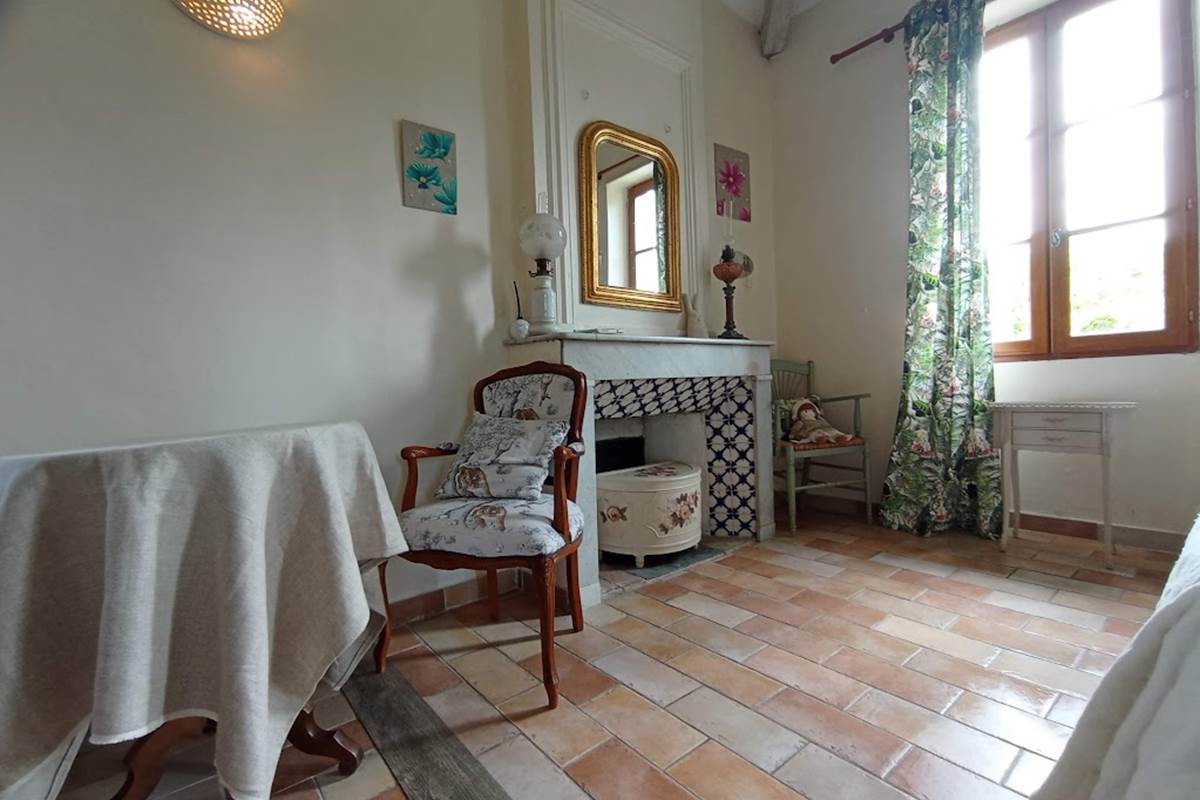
x=841 y=661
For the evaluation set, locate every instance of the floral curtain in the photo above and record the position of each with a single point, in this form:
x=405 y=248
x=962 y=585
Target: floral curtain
x=660 y=221
x=943 y=472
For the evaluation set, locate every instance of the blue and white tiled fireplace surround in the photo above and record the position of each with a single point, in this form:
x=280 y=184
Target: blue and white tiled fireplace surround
x=727 y=406
x=682 y=389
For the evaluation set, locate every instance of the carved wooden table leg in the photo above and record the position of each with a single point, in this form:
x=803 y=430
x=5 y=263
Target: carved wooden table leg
x=308 y=737
x=145 y=759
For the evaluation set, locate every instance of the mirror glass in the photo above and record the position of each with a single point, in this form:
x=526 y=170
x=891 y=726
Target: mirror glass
x=631 y=225
x=629 y=219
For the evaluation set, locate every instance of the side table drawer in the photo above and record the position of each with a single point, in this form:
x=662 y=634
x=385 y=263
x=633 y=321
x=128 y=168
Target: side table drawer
x=1075 y=440
x=1057 y=420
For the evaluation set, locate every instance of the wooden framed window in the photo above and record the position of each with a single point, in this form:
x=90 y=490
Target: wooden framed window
x=1088 y=146
x=642 y=213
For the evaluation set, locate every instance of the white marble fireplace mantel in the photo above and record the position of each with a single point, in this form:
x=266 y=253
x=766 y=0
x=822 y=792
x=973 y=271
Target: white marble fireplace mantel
x=608 y=338
x=726 y=382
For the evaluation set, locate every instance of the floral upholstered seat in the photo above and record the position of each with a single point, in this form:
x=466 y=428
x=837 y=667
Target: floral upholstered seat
x=489 y=527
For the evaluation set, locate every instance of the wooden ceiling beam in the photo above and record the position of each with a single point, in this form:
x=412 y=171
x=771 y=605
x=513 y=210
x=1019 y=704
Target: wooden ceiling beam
x=776 y=23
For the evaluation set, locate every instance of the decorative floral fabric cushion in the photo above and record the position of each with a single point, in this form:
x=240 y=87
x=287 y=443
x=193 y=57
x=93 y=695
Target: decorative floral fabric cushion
x=545 y=395
x=504 y=457
x=489 y=527
x=809 y=425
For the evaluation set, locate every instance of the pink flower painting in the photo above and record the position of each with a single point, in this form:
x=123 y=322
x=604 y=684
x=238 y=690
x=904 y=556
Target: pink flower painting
x=731 y=178
x=732 y=171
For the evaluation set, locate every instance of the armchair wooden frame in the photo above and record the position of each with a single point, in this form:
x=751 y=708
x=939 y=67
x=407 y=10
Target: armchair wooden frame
x=565 y=481
x=788 y=378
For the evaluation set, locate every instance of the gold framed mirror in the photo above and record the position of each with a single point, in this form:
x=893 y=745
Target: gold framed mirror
x=628 y=220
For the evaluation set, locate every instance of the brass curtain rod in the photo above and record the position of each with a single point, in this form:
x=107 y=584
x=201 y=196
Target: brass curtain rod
x=886 y=35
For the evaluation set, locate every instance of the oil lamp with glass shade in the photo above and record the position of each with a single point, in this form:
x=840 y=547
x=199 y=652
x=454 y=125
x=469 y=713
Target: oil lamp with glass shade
x=543 y=238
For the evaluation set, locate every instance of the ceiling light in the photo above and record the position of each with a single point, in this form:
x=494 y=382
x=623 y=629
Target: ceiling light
x=239 y=19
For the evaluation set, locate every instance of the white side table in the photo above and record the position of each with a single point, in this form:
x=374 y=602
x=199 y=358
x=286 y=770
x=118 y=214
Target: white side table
x=1081 y=428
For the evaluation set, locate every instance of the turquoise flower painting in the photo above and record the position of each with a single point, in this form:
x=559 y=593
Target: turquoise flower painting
x=435 y=145
x=423 y=175
x=429 y=168
x=448 y=196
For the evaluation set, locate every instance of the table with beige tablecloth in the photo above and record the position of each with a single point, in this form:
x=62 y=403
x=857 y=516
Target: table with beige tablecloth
x=217 y=576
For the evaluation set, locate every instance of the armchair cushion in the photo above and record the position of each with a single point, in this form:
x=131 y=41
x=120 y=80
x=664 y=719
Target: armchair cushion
x=809 y=426
x=487 y=527
x=503 y=457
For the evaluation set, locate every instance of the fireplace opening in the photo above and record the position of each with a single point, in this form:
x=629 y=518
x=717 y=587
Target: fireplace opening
x=620 y=444
x=650 y=487
x=622 y=452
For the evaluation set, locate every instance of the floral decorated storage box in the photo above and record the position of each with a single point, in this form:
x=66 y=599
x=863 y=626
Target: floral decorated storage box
x=649 y=510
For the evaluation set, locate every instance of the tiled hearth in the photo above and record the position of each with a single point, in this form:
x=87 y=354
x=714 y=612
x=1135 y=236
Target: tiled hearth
x=727 y=405
x=842 y=662
x=617 y=572
x=726 y=382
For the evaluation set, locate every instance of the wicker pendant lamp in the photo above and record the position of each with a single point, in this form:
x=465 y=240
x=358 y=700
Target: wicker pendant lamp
x=238 y=19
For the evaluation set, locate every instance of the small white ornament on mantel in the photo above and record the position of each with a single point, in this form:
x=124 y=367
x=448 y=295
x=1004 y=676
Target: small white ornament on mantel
x=519 y=328
x=696 y=329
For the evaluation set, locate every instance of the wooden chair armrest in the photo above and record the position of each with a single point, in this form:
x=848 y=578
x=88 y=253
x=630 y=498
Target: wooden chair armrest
x=417 y=451
x=839 y=397
x=566 y=484
x=857 y=398
x=410 y=456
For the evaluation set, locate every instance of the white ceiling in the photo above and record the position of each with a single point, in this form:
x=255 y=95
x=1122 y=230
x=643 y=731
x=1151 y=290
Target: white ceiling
x=752 y=10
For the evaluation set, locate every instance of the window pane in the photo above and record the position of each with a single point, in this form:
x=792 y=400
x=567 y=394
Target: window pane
x=1112 y=57
x=648 y=279
x=1117 y=279
x=1008 y=288
x=1006 y=90
x=1116 y=167
x=645 y=225
x=1006 y=176
x=1006 y=97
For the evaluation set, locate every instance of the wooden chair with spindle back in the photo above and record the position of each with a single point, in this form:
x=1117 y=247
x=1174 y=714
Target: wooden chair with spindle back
x=794 y=380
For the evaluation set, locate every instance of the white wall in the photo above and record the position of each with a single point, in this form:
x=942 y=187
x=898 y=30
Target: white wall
x=841 y=206
x=1156 y=448
x=682 y=77
x=635 y=65
x=737 y=113
x=841 y=203
x=200 y=234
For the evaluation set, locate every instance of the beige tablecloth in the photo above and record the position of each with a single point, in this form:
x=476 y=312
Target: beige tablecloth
x=1139 y=736
x=217 y=577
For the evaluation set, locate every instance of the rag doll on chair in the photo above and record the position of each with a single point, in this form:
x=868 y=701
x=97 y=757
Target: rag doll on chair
x=809 y=425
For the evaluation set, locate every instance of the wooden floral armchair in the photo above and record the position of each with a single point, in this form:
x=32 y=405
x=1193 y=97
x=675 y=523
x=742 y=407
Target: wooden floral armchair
x=491 y=534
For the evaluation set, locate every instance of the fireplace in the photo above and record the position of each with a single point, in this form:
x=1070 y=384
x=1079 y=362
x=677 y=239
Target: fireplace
x=704 y=402
x=705 y=421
